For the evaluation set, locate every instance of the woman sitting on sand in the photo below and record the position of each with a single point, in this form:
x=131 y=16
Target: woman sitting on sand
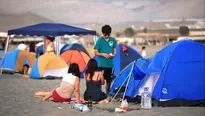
x=94 y=80
x=69 y=84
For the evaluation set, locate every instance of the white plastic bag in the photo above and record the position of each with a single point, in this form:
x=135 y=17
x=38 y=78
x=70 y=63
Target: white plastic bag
x=124 y=105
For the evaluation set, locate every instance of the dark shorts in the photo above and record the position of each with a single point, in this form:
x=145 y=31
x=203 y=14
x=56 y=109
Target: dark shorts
x=107 y=73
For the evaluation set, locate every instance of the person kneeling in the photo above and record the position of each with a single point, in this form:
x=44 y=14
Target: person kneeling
x=94 y=80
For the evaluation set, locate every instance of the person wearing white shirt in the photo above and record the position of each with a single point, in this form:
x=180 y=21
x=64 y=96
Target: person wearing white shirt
x=184 y=32
x=22 y=46
x=143 y=51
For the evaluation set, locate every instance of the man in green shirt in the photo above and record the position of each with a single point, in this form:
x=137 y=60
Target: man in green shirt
x=105 y=49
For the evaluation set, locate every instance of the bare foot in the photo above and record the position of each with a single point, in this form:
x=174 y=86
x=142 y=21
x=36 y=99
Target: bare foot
x=104 y=101
x=26 y=76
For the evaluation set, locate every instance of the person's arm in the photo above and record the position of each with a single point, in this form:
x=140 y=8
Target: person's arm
x=102 y=78
x=97 y=48
x=48 y=96
x=115 y=51
x=101 y=54
x=77 y=89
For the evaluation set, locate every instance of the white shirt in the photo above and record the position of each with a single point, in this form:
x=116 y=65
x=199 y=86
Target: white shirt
x=181 y=38
x=22 y=47
x=39 y=44
x=67 y=86
x=143 y=53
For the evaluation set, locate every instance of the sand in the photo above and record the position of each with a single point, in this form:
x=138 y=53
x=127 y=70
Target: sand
x=16 y=99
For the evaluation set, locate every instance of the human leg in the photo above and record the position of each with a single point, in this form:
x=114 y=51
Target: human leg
x=108 y=78
x=47 y=96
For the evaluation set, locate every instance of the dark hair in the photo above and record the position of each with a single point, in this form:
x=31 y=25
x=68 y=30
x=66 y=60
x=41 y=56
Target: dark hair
x=26 y=65
x=184 y=30
x=32 y=47
x=74 y=69
x=50 y=38
x=143 y=47
x=106 y=29
x=91 y=68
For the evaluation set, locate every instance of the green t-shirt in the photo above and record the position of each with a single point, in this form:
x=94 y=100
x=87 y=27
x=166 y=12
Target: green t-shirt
x=105 y=46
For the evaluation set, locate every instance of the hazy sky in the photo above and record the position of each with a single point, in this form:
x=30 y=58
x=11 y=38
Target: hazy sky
x=105 y=11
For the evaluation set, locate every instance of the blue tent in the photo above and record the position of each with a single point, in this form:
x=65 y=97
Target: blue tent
x=9 y=62
x=124 y=56
x=181 y=68
x=50 y=29
x=40 y=49
x=131 y=77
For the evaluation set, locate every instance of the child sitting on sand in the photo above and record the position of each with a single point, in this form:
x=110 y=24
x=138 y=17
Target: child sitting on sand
x=69 y=84
x=94 y=80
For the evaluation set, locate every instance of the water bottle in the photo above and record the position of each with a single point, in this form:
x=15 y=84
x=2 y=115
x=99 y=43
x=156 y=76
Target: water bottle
x=82 y=108
x=146 y=99
x=89 y=103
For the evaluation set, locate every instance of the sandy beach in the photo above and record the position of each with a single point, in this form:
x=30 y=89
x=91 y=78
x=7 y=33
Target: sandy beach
x=17 y=99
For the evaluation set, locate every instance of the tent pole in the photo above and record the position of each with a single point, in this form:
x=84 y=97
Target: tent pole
x=128 y=81
x=5 y=51
x=128 y=78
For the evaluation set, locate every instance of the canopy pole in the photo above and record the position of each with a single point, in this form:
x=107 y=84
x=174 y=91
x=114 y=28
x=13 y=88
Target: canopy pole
x=95 y=38
x=57 y=45
x=5 y=52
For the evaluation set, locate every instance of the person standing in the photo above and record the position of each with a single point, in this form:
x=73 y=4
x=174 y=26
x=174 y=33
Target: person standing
x=105 y=49
x=22 y=46
x=184 y=32
x=143 y=51
x=50 y=47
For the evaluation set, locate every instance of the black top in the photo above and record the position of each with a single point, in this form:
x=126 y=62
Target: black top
x=93 y=90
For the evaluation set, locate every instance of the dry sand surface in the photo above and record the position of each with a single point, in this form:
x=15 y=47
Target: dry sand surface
x=16 y=99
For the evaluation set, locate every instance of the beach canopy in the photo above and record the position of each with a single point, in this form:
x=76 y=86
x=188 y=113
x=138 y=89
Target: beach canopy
x=50 y=29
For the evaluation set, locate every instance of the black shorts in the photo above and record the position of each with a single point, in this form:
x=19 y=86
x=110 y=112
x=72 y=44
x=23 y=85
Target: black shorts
x=107 y=73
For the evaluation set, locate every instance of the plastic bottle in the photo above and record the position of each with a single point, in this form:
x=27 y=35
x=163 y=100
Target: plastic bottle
x=89 y=103
x=146 y=99
x=124 y=105
x=82 y=108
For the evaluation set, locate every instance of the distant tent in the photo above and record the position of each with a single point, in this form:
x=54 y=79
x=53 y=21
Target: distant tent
x=75 y=53
x=175 y=75
x=125 y=55
x=91 y=51
x=16 y=59
x=40 y=48
x=48 y=65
